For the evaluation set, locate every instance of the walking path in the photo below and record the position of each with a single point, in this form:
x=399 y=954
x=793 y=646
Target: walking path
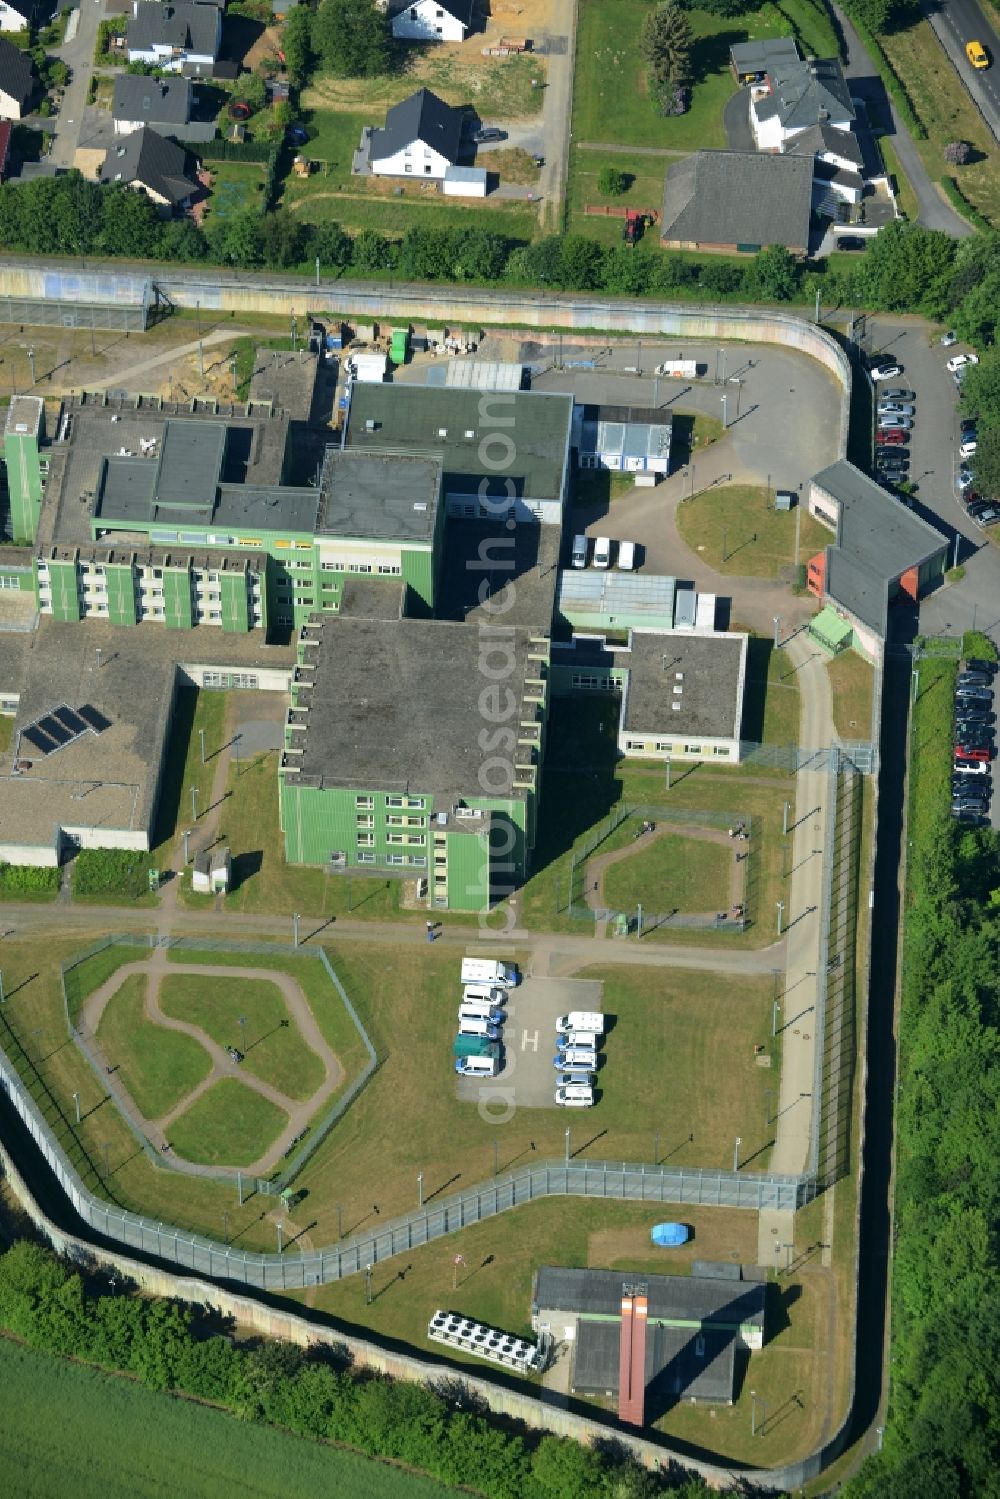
x=802 y=920
x=155 y=969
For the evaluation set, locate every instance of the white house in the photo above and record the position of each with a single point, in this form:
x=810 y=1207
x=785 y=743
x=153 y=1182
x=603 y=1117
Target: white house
x=797 y=96
x=431 y=20
x=18 y=15
x=421 y=138
x=18 y=82
x=180 y=38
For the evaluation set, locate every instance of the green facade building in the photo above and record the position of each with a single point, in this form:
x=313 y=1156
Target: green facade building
x=179 y=589
x=413 y=747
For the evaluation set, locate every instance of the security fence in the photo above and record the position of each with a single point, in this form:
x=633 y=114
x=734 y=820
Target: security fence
x=621 y=1181
x=75 y=990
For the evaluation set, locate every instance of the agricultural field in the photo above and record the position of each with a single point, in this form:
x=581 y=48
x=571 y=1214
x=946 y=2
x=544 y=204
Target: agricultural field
x=114 y=1439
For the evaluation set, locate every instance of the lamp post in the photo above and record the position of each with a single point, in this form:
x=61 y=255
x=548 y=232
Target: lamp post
x=368 y=1284
x=777 y=631
x=295 y=928
x=31 y=361
x=420 y=1189
x=781 y=912
x=753 y=1413
x=187 y=838
x=567 y=1146
x=76 y=1100
x=194 y=804
x=775 y=1007
x=736 y=1153
x=243 y=1034
x=201 y=736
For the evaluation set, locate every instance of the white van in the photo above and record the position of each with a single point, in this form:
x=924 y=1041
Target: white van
x=477 y=1066
x=581 y=1020
x=575 y=1096
x=579 y=551
x=478 y=1027
x=472 y=993
x=489 y=971
x=602 y=551
x=576 y=1056
x=587 y=1039
x=626 y=556
x=479 y=1010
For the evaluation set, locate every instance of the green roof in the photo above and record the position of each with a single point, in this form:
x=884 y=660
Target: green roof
x=830 y=629
x=501 y=436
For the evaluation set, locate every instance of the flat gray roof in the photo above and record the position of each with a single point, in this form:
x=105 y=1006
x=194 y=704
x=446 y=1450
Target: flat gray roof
x=395 y=704
x=488 y=569
x=384 y=495
x=608 y=594
x=874 y=525
x=709 y=670
x=480 y=429
x=286 y=379
x=680 y=1299
x=25 y=414
x=679 y=1363
x=858 y=588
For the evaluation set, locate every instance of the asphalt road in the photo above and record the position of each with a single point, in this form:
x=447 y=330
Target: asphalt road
x=79 y=57
x=956 y=22
x=865 y=84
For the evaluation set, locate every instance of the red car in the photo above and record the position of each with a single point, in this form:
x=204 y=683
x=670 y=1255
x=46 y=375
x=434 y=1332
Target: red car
x=890 y=434
x=961 y=753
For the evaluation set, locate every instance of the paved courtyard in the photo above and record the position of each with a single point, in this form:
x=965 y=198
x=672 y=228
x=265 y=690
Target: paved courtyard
x=528 y=1077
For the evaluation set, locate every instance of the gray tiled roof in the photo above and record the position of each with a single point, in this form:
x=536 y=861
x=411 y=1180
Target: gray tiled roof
x=153 y=162
x=193 y=28
x=154 y=101
x=460 y=9
x=17 y=73
x=739 y=197
x=807 y=93
x=842 y=143
x=757 y=57
x=422 y=117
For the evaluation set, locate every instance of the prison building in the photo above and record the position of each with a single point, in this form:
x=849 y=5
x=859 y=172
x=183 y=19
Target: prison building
x=406 y=754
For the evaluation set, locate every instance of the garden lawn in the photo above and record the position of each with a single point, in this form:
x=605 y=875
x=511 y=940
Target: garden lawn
x=947 y=113
x=645 y=191
x=114 y=1439
x=275 y=1050
x=737 y=531
x=158 y=1067
x=236 y=186
x=611 y=94
x=851 y=679
x=670 y=872
x=229 y=1125
x=6 y=732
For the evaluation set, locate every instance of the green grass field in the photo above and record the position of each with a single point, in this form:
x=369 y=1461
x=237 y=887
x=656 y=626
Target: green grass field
x=229 y=1125
x=492 y=86
x=157 y=1066
x=771 y=700
x=113 y=1439
x=236 y=186
x=737 y=531
x=275 y=1050
x=668 y=873
x=851 y=684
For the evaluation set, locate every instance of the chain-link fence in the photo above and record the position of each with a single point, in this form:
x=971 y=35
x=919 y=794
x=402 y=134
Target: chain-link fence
x=118 y=948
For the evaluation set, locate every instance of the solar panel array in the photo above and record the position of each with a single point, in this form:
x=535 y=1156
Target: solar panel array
x=53 y=731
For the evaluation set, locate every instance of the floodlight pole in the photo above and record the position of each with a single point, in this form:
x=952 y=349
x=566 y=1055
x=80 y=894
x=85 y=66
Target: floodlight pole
x=368 y=1284
x=725 y=410
x=31 y=361
x=784 y=820
x=278 y=1227
x=496 y=1157
x=777 y=631
x=725 y=543
x=340 y=1221
x=239 y=1187
x=753 y=1413
x=3 y=997
x=76 y=1100
x=295 y=928
x=317 y=273
x=225 y=1225
x=194 y=803
x=187 y=835
x=243 y=1034
x=420 y=1189
x=567 y=1145
x=781 y=912
x=201 y=735
x=638 y=921
x=736 y=1153
x=775 y=1007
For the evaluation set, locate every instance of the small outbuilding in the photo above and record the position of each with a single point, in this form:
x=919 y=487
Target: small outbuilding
x=212 y=872
x=464 y=182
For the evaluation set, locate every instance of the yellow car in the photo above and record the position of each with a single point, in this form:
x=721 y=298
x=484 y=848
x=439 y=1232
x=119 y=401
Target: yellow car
x=977 y=55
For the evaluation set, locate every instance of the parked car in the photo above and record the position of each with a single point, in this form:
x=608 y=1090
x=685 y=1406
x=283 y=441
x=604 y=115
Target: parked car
x=978 y=752
x=885 y=370
x=575 y=1056
x=974 y=663
x=573 y=1075
x=967 y=446
x=897 y=393
x=890 y=423
x=890 y=435
x=947 y=339
x=488 y=133
x=602 y=551
x=965 y=479
x=968 y=424
x=850 y=242
x=889 y=449
x=974 y=695
x=576 y=1096
x=894 y=408
x=974 y=714
x=987 y=517
x=969 y=767
x=961 y=361
x=971 y=677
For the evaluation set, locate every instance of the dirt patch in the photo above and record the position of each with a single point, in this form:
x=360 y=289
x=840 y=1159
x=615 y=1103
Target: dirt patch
x=514 y=165
x=88 y=163
x=264 y=49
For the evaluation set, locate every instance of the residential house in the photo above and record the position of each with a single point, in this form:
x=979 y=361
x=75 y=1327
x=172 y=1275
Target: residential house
x=18 y=82
x=431 y=20
x=181 y=38
x=752 y=61
x=6 y=131
x=738 y=201
x=153 y=165
x=421 y=138
x=165 y=104
x=797 y=96
x=20 y=15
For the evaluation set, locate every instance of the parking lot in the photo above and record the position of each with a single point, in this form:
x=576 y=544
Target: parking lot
x=528 y=1077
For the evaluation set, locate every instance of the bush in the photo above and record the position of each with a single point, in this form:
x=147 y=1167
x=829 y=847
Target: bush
x=117 y=872
x=28 y=879
x=957 y=153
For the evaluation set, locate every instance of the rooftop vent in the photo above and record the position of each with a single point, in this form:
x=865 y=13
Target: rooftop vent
x=470 y=432
x=442 y=431
x=676 y=707
x=420 y=504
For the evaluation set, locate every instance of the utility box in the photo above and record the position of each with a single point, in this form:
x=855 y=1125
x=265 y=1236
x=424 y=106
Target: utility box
x=784 y=499
x=400 y=345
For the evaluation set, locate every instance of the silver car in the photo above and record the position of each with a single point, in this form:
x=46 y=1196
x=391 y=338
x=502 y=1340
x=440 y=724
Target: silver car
x=895 y=408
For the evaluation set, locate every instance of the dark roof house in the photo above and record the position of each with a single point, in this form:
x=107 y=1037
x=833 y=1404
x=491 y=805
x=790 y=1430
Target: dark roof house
x=824 y=139
x=738 y=200
x=169 y=105
x=18 y=81
x=753 y=59
x=149 y=161
x=184 y=27
x=422 y=117
x=805 y=93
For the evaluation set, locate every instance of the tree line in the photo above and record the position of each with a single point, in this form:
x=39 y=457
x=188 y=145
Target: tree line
x=942 y=1436
x=51 y=1306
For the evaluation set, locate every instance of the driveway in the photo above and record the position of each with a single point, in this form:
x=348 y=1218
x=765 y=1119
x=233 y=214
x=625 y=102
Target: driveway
x=935 y=212
x=736 y=119
x=528 y=1077
x=78 y=55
